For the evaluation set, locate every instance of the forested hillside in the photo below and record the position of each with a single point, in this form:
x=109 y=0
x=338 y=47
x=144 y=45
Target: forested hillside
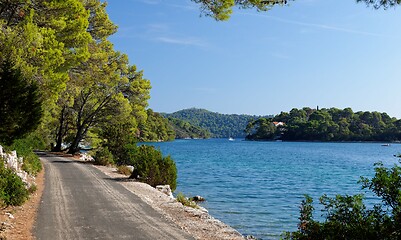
x=219 y=125
x=326 y=125
x=184 y=129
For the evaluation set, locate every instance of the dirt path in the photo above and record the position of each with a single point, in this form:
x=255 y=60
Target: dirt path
x=80 y=202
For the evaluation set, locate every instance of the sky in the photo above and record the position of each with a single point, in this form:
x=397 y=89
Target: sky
x=326 y=53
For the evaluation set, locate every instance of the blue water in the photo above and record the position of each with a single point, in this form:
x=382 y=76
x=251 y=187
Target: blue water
x=257 y=187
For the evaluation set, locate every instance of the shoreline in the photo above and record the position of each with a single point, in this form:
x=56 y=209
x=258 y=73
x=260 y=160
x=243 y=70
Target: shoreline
x=196 y=222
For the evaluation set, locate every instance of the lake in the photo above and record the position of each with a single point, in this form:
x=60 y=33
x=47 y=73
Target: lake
x=257 y=187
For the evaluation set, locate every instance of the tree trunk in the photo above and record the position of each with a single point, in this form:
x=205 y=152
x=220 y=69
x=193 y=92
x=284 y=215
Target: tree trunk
x=74 y=148
x=59 y=139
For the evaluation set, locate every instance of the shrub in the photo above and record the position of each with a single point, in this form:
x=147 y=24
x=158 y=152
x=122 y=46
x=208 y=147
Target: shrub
x=185 y=201
x=103 y=157
x=124 y=170
x=24 y=148
x=347 y=217
x=33 y=188
x=153 y=168
x=120 y=141
x=12 y=189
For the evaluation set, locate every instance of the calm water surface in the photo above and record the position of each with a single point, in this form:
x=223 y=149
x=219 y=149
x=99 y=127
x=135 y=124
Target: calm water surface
x=257 y=187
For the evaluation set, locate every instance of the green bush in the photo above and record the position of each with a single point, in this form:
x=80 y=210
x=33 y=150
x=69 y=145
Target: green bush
x=12 y=189
x=24 y=148
x=103 y=157
x=347 y=217
x=181 y=198
x=153 y=168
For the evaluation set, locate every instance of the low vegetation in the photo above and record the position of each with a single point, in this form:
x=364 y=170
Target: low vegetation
x=119 y=147
x=347 y=217
x=24 y=148
x=181 y=198
x=103 y=157
x=151 y=167
x=12 y=189
x=124 y=170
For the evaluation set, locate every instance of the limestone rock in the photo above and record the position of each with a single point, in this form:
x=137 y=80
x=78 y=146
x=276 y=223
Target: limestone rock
x=86 y=157
x=165 y=189
x=13 y=162
x=131 y=168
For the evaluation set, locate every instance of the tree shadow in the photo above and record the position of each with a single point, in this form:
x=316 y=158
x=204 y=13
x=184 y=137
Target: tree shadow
x=120 y=179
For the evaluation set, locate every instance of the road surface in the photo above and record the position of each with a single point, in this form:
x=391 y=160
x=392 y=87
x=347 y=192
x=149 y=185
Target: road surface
x=80 y=202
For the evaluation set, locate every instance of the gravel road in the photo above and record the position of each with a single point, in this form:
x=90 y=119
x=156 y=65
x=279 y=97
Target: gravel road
x=80 y=202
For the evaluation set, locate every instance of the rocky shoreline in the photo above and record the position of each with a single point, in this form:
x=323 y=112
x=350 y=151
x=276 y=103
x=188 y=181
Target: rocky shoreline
x=197 y=222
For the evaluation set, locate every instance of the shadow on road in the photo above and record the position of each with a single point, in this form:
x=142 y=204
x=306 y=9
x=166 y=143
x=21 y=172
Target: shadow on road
x=122 y=179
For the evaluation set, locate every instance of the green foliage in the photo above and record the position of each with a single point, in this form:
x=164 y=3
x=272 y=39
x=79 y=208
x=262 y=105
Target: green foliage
x=151 y=167
x=219 y=125
x=222 y=9
x=184 y=129
x=20 y=106
x=103 y=157
x=181 y=198
x=24 y=148
x=120 y=141
x=12 y=189
x=327 y=125
x=155 y=128
x=33 y=188
x=377 y=4
x=347 y=217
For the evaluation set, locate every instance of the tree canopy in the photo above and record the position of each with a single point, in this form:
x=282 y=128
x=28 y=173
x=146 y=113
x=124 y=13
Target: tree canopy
x=222 y=9
x=219 y=125
x=20 y=107
x=326 y=125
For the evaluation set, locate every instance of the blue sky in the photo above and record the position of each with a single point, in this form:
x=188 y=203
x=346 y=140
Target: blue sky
x=325 y=53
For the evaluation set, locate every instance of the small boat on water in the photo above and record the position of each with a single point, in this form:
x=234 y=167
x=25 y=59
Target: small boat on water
x=386 y=145
x=231 y=139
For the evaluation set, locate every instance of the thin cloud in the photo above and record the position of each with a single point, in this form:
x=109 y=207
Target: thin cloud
x=182 y=41
x=188 y=6
x=152 y=2
x=317 y=25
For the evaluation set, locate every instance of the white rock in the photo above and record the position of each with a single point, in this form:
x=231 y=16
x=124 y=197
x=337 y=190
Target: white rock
x=10 y=215
x=165 y=189
x=13 y=162
x=86 y=157
x=131 y=168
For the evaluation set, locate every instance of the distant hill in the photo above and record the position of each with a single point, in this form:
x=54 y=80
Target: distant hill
x=184 y=129
x=219 y=125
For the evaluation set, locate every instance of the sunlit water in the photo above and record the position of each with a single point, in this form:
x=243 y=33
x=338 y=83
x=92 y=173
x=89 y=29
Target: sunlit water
x=257 y=187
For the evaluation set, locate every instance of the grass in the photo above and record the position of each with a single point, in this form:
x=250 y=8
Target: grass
x=185 y=201
x=124 y=170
